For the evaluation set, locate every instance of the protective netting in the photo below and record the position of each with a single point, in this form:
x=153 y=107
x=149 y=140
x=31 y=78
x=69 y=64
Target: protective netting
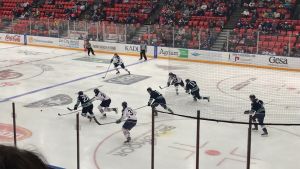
x=229 y=88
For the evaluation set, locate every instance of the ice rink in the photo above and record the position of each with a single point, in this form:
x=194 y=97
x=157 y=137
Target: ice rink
x=44 y=82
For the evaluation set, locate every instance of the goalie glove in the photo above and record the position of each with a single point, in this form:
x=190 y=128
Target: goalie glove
x=118 y=121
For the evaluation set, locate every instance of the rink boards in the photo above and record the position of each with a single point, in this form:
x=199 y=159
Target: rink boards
x=192 y=55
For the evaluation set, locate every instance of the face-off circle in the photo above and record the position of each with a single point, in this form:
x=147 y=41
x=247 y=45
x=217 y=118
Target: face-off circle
x=7 y=135
x=175 y=146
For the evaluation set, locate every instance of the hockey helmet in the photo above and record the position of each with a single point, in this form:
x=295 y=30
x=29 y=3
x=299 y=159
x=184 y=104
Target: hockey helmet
x=187 y=80
x=124 y=104
x=171 y=74
x=252 y=96
x=96 y=91
x=80 y=93
x=149 y=89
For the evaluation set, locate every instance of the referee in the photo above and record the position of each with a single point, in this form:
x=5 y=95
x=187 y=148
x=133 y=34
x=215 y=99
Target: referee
x=89 y=48
x=143 y=50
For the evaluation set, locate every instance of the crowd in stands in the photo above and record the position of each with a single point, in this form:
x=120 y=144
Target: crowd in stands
x=179 y=23
x=180 y=12
x=271 y=18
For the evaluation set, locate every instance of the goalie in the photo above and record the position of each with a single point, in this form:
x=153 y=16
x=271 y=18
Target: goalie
x=257 y=108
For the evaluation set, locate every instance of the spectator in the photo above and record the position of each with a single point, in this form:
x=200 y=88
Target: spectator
x=246 y=13
x=14 y=158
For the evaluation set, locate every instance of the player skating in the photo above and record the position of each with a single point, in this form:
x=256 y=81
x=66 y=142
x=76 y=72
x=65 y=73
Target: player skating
x=175 y=80
x=129 y=116
x=157 y=99
x=86 y=104
x=192 y=88
x=257 y=108
x=117 y=61
x=105 y=102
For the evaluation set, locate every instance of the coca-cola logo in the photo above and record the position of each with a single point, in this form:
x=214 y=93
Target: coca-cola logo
x=278 y=60
x=13 y=38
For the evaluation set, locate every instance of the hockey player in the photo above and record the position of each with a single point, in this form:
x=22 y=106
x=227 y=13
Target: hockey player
x=129 y=116
x=193 y=89
x=86 y=104
x=175 y=80
x=105 y=102
x=257 y=108
x=117 y=61
x=158 y=100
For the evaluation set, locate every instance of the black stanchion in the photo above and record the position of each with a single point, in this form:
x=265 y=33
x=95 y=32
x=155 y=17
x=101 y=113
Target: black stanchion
x=14 y=123
x=78 y=143
x=249 y=142
x=198 y=139
x=152 y=138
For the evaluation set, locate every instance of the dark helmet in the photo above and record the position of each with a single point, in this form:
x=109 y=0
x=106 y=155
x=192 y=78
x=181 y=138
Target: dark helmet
x=80 y=93
x=171 y=74
x=124 y=104
x=96 y=91
x=149 y=89
x=252 y=96
x=187 y=80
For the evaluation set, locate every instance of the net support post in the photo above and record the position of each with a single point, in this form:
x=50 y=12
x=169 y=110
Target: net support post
x=14 y=123
x=152 y=138
x=78 y=139
x=198 y=139
x=249 y=142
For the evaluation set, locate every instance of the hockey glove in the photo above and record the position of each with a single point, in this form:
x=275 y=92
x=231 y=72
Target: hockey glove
x=149 y=103
x=247 y=112
x=118 y=121
x=75 y=107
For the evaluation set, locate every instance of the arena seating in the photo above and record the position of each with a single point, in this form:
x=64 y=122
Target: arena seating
x=272 y=19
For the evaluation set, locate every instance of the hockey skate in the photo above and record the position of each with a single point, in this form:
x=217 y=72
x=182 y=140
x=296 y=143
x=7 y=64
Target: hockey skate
x=103 y=116
x=128 y=140
x=208 y=99
x=90 y=117
x=255 y=128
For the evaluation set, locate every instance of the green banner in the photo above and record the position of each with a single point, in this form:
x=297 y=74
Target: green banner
x=183 y=53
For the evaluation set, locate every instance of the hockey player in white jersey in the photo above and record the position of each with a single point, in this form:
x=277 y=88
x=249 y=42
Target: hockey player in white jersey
x=129 y=116
x=117 y=61
x=175 y=80
x=105 y=102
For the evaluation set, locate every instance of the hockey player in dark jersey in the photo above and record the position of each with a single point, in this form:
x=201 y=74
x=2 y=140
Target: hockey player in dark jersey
x=157 y=99
x=86 y=104
x=257 y=108
x=192 y=88
x=117 y=61
x=175 y=80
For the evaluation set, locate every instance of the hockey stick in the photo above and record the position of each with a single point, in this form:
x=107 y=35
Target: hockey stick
x=72 y=109
x=63 y=114
x=106 y=71
x=140 y=107
x=163 y=87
